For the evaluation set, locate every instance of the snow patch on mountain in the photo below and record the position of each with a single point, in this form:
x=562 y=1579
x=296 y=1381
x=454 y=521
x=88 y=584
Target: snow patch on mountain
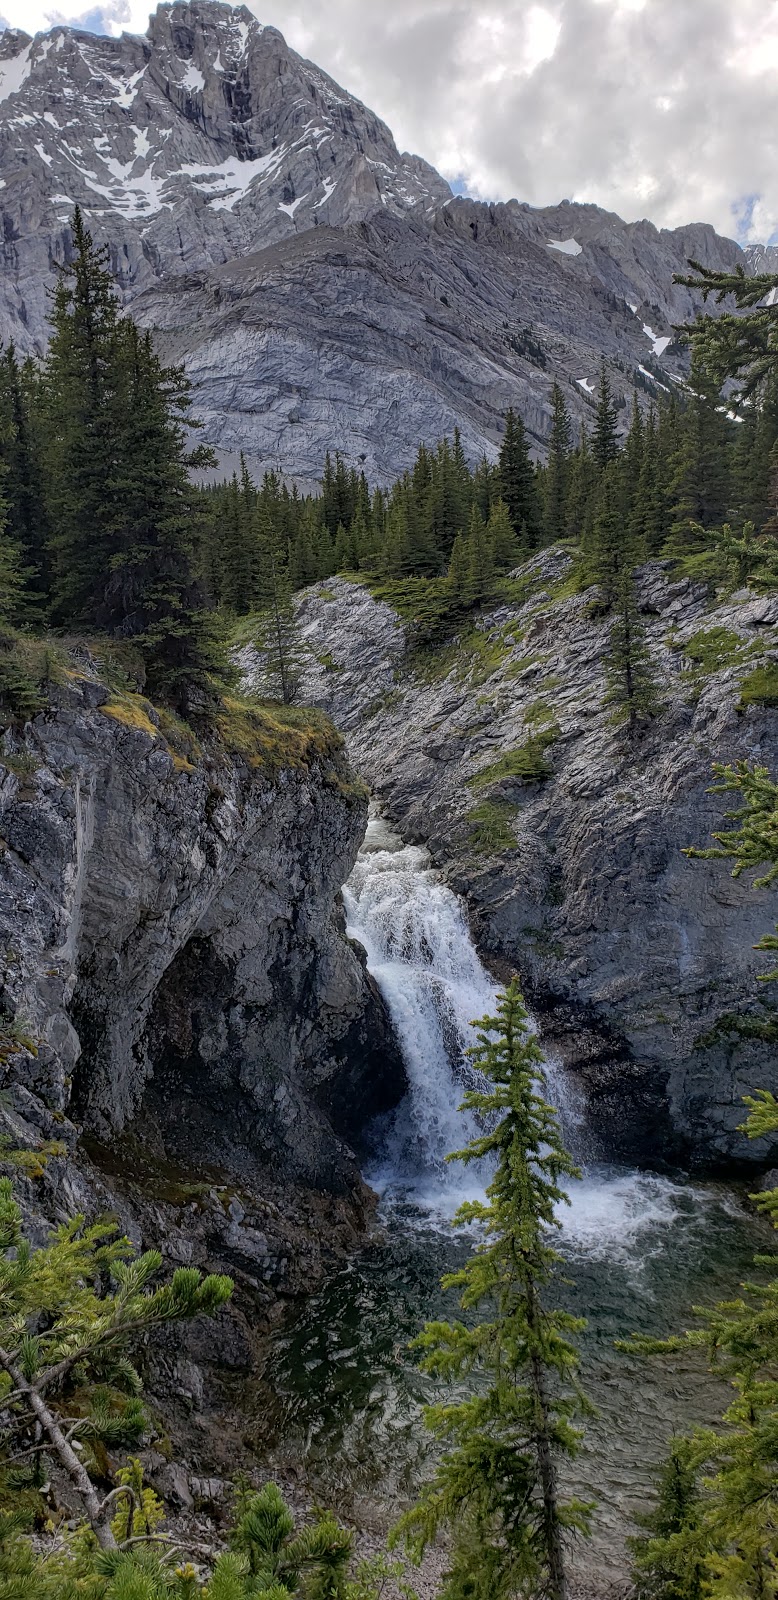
x=566 y=247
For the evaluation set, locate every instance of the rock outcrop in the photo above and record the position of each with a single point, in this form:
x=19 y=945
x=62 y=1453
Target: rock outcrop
x=566 y=837
x=174 y=943
x=323 y=290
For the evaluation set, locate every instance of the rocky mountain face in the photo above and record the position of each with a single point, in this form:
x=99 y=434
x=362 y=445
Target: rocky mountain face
x=207 y=1040
x=566 y=836
x=323 y=290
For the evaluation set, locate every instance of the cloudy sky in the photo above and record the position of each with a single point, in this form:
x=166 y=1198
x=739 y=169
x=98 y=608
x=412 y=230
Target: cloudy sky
x=659 y=108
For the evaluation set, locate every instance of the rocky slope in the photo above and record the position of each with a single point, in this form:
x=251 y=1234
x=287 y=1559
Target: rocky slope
x=208 y=1041
x=323 y=290
x=638 y=958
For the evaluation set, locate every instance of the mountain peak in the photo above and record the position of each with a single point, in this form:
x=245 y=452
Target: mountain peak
x=188 y=145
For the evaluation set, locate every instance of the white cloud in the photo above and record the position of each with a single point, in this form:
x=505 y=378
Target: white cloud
x=658 y=107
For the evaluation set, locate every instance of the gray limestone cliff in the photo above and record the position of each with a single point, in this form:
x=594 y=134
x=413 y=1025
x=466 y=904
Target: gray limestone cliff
x=566 y=837
x=323 y=290
x=208 y=1043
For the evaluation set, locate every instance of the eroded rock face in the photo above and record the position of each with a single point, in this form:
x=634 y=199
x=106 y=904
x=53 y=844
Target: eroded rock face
x=176 y=942
x=323 y=290
x=638 y=957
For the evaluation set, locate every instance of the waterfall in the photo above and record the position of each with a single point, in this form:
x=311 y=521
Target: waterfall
x=420 y=952
x=421 y=955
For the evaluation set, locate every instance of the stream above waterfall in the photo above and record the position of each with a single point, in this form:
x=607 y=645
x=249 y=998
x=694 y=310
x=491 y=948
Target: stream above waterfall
x=640 y=1248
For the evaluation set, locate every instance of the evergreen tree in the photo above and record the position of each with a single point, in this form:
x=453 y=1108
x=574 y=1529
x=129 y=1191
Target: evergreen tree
x=278 y=637
x=664 y=1566
x=605 y=439
x=607 y=550
x=517 y=483
x=20 y=451
x=237 y=576
x=727 y=1543
x=81 y=401
x=721 y=1537
x=581 y=491
x=68 y=1313
x=502 y=539
x=496 y=1485
x=700 y=488
x=742 y=343
x=631 y=686
x=459 y=576
x=647 y=523
x=480 y=555
x=152 y=521
x=557 y=479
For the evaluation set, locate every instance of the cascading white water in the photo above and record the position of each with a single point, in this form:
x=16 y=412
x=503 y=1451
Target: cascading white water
x=420 y=952
x=421 y=955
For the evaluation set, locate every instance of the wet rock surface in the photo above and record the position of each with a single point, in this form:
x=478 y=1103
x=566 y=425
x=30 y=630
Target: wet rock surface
x=640 y=959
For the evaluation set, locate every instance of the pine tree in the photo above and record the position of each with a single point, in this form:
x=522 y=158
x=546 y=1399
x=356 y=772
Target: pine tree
x=20 y=452
x=605 y=438
x=480 y=554
x=496 y=1484
x=151 y=521
x=80 y=389
x=581 y=491
x=700 y=489
x=518 y=484
x=557 y=480
x=607 y=549
x=277 y=638
x=631 y=686
x=459 y=575
x=502 y=539
x=69 y=1310
x=664 y=1567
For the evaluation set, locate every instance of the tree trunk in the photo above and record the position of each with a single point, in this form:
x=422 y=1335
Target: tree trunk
x=552 y=1531
x=74 y=1468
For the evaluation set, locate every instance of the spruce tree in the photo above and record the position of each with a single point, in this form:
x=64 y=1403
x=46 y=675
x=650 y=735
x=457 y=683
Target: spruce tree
x=150 y=592
x=518 y=484
x=557 y=478
x=502 y=539
x=68 y=1313
x=607 y=549
x=277 y=637
x=496 y=1485
x=459 y=576
x=742 y=342
x=605 y=438
x=581 y=490
x=664 y=1566
x=700 y=489
x=631 y=686
x=81 y=400
x=20 y=452
x=480 y=553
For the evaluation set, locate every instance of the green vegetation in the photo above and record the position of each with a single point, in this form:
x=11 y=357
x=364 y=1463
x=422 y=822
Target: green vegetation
x=714 y=1532
x=496 y=1486
x=760 y=688
x=714 y=648
x=491 y=829
x=71 y=1312
x=526 y=762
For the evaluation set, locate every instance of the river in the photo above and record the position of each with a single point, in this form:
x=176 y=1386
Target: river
x=640 y=1248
